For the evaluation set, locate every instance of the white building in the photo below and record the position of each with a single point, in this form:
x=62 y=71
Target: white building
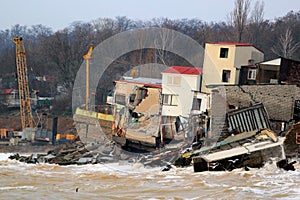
x=181 y=91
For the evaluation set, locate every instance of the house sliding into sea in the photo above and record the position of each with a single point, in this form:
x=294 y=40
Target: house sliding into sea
x=153 y=112
x=137 y=111
x=235 y=92
x=182 y=99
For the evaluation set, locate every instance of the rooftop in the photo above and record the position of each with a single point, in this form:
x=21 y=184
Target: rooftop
x=6 y=91
x=276 y=61
x=183 y=70
x=232 y=43
x=150 y=82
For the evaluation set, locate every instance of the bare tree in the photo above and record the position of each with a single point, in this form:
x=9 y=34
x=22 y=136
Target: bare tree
x=238 y=18
x=258 y=12
x=286 y=46
x=257 y=26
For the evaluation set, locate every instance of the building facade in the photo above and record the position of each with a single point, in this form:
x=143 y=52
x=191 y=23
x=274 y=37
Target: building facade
x=223 y=61
x=180 y=90
x=279 y=71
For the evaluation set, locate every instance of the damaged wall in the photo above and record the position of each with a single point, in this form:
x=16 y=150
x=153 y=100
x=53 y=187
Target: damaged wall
x=278 y=99
x=137 y=115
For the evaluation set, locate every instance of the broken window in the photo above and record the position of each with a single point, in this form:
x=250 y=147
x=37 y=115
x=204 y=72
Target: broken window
x=224 y=52
x=252 y=74
x=169 y=99
x=196 y=104
x=132 y=98
x=120 y=99
x=226 y=76
x=174 y=80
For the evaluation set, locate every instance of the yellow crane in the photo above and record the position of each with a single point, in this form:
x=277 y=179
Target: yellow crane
x=24 y=94
x=87 y=58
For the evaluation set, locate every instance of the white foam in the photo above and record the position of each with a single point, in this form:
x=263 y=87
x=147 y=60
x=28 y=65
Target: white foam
x=25 y=187
x=4 y=156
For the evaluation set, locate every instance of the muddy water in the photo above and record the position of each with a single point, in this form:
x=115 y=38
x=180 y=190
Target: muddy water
x=133 y=181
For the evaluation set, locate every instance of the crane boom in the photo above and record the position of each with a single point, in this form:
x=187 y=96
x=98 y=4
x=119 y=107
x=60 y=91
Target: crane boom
x=24 y=94
x=87 y=58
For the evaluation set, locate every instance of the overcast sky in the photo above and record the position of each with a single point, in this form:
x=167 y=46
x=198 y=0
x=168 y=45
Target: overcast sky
x=59 y=14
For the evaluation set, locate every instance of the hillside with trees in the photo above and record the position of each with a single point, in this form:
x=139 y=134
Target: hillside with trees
x=57 y=55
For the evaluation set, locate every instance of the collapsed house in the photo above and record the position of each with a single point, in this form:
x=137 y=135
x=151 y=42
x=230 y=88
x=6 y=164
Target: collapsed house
x=150 y=113
x=280 y=101
x=239 y=114
x=137 y=112
x=250 y=149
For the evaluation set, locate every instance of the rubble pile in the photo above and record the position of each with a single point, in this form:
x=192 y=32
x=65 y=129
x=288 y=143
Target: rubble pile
x=72 y=153
x=292 y=142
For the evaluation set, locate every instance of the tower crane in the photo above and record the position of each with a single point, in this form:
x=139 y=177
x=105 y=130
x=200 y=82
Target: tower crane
x=87 y=58
x=24 y=94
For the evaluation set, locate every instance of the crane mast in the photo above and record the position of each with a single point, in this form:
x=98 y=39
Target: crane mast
x=24 y=94
x=87 y=58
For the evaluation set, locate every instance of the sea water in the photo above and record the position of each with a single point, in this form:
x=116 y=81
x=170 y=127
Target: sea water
x=134 y=181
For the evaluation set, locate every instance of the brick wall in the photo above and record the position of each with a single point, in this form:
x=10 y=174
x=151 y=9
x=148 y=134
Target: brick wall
x=278 y=99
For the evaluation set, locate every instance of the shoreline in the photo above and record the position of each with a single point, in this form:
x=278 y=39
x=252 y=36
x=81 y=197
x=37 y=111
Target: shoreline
x=28 y=149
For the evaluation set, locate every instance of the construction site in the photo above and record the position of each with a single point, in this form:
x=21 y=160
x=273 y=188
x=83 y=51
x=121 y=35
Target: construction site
x=24 y=129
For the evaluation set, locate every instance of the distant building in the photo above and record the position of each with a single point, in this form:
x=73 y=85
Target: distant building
x=278 y=71
x=8 y=80
x=223 y=61
x=248 y=75
x=10 y=97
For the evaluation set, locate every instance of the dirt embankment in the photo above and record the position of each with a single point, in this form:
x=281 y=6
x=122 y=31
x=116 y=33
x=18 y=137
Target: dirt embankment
x=65 y=123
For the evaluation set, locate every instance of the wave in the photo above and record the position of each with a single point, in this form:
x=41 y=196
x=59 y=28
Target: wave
x=4 y=156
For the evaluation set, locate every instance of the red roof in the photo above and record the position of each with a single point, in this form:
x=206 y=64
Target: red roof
x=6 y=91
x=232 y=43
x=183 y=70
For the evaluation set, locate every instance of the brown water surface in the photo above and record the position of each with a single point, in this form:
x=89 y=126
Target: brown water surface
x=134 y=181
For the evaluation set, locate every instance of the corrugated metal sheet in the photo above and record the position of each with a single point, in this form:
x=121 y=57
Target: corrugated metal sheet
x=248 y=119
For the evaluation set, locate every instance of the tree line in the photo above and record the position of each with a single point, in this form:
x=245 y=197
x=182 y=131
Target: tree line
x=59 y=53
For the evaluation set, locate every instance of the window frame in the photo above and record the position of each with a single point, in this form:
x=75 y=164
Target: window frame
x=196 y=103
x=224 y=52
x=226 y=76
x=174 y=80
x=170 y=100
x=251 y=74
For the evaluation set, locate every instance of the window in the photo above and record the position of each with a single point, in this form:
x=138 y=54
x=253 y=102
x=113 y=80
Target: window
x=196 y=104
x=169 y=99
x=132 y=98
x=120 y=99
x=226 y=76
x=174 y=80
x=251 y=74
x=224 y=52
